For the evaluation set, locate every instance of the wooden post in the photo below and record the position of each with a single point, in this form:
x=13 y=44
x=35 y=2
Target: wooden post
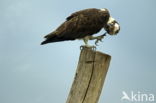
x=89 y=78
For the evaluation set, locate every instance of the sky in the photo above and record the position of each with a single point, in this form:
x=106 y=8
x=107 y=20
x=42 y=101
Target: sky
x=31 y=73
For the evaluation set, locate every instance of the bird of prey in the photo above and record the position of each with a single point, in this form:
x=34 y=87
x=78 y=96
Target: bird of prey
x=82 y=25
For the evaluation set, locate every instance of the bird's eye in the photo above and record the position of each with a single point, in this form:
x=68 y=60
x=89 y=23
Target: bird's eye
x=111 y=24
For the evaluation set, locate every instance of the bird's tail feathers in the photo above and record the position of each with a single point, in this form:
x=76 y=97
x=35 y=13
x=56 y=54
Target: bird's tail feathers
x=50 y=35
x=54 y=38
x=44 y=42
x=49 y=39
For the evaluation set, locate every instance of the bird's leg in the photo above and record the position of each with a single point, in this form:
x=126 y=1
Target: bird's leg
x=85 y=39
x=98 y=38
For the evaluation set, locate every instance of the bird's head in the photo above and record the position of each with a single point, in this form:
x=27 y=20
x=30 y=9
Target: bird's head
x=112 y=27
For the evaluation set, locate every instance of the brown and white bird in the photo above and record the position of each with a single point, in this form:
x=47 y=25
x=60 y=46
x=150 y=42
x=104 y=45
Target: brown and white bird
x=82 y=25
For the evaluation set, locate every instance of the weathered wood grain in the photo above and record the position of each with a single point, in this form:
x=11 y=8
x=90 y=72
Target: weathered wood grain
x=89 y=78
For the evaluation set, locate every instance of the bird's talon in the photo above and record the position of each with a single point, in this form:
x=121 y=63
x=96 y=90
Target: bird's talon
x=96 y=43
x=104 y=34
x=81 y=47
x=94 y=48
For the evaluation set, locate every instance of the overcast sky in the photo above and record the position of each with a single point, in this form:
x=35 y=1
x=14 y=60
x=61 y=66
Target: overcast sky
x=31 y=73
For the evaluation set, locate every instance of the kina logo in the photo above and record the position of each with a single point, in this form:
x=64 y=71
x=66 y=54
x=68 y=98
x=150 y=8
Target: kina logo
x=137 y=97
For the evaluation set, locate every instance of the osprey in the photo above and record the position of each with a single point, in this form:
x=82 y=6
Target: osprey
x=82 y=25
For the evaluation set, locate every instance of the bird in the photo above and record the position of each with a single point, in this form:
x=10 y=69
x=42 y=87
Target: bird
x=82 y=25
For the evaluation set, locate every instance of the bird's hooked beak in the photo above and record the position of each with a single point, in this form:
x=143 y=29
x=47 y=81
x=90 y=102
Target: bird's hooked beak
x=112 y=26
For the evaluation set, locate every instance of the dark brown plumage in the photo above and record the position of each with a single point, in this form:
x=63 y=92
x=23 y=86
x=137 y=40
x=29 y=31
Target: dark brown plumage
x=79 y=25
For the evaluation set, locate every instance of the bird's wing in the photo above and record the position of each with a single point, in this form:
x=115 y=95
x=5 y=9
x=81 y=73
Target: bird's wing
x=81 y=12
x=79 y=26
